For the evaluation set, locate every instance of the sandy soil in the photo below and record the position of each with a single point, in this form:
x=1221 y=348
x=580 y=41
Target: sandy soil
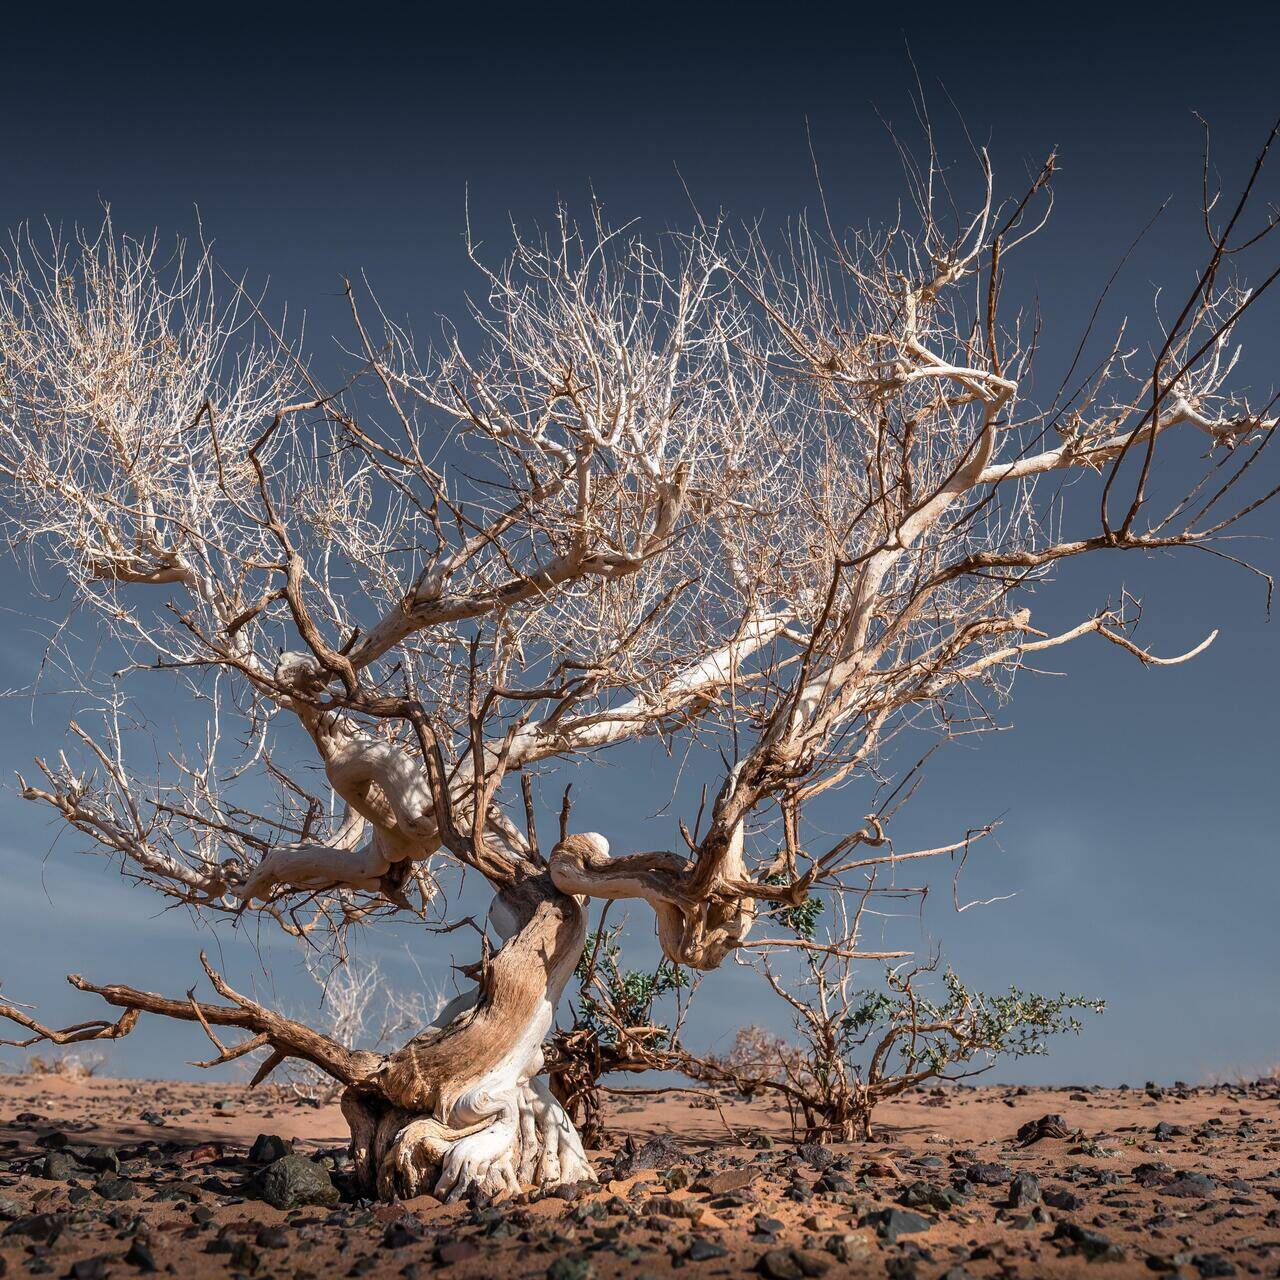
x=721 y=1204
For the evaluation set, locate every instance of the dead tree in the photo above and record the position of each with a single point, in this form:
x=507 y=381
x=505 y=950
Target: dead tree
x=776 y=499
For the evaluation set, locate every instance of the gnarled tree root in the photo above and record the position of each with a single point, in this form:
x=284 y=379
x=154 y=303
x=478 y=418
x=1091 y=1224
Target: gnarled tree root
x=399 y=1154
x=459 y=1108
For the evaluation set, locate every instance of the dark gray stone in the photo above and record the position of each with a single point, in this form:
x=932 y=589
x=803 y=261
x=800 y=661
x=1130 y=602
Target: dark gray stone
x=44 y=1227
x=792 y=1264
x=293 y=1181
x=763 y=1225
x=821 y=1158
x=268 y=1148
x=1092 y=1245
x=889 y=1224
x=58 y=1166
x=1024 y=1191
x=140 y=1256
x=658 y=1153
x=702 y=1250
x=833 y=1183
x=1212 y=1264
x=110 y=1187
x=1067 y=1201
x=571 y=1269
x=401 y=1233
x=1190 y=1186
x=101 y=1160
x=928 y=1195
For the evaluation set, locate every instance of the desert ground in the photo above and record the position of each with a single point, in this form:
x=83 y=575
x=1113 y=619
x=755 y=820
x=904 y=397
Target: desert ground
x=122 y=1177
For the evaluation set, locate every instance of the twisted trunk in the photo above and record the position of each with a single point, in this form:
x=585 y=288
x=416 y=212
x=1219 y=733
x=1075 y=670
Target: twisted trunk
x=846 y=1121
x=460 y=1106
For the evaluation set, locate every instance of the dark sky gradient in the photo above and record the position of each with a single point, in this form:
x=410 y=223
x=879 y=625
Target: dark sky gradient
x=1140 y=807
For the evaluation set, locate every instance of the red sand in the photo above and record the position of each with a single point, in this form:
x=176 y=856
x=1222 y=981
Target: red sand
x=1231 y=1135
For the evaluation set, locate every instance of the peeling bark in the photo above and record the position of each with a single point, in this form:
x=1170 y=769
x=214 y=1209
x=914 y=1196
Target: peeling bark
x=460 y=1106
x=695 y=928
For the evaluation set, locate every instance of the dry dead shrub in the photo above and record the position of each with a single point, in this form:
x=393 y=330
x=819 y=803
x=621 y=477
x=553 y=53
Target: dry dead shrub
x=68 y=1066
x=758 y=1053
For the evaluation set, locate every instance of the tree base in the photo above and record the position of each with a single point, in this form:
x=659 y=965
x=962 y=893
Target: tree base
x=529 y=1144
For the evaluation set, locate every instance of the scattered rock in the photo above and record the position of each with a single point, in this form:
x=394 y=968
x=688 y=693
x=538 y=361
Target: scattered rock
x=198 y=1154
x=1050 y=1126
x=833 y=1183
x=293 y=1181
x=928 y=1195
x=268 y=1148
x=850 y=1246
x=811 y=1263
x=43 y=1227
x=1024 y=1191
x=1189 y=1186
x=58 y=1166
x=657 y=1153
x=244 y=1257
x=818 y=1222
x=792 y=1264
x=1212 y=1264
x=672 y=1207
x=89 y=1269
x=1067 y=1201
x=101 y=1160
x=703 y=1250
x=571 y=1269
x=1152 y=1173
x=763 y=1225
x=921 y=1215
x=988 y=1175
x=140 y=1256
x=464 y=1250
x=889 y=1224
x=821 y=1158
x=403 y=1232
x=730 y=1180
x=1092 y=1245
x=113 y=1188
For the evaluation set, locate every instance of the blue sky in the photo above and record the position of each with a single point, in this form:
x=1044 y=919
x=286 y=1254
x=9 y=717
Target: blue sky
x=1139 y=806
